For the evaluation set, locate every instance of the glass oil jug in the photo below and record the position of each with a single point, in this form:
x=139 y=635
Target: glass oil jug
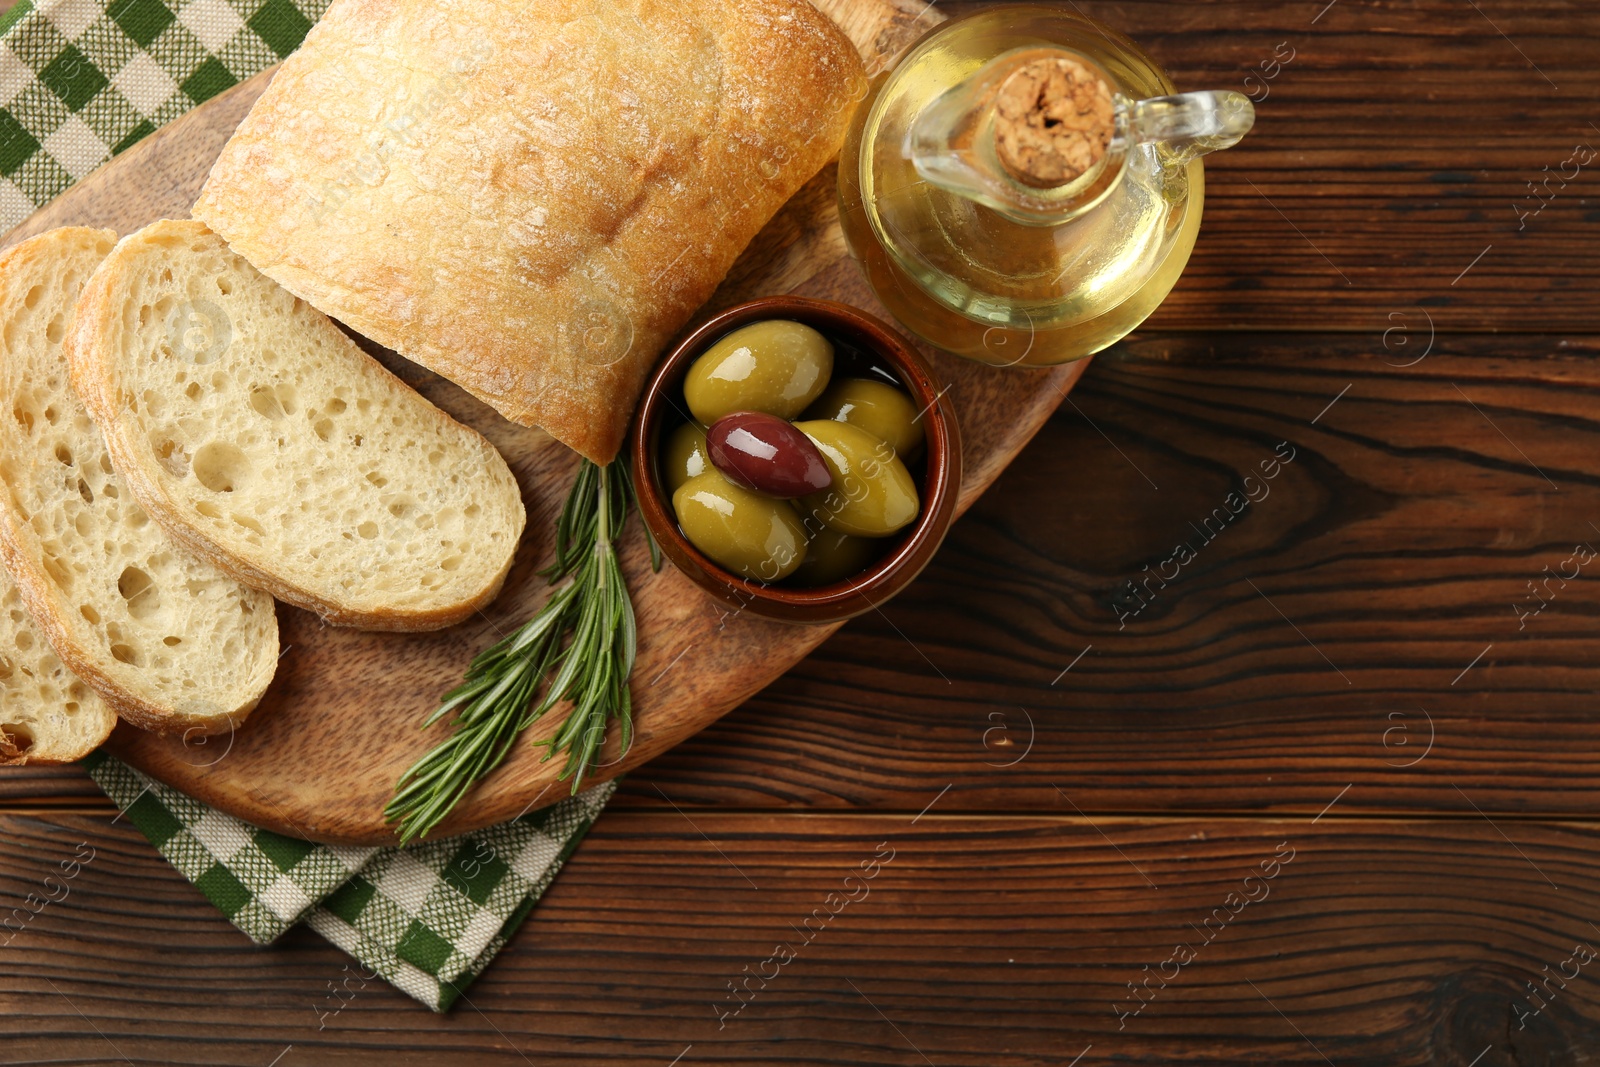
x=1023 y=188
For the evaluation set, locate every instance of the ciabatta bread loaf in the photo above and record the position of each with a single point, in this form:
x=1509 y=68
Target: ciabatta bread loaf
x=531 y=197
x=46 y=714
x=259 y=435
x=171 y=642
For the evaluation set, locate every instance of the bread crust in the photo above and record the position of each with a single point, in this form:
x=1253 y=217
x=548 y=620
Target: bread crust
x=92 y=362
x=21 y=554
x=531 y=197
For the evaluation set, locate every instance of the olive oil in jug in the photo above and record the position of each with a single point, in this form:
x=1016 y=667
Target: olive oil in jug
x=1022 y=188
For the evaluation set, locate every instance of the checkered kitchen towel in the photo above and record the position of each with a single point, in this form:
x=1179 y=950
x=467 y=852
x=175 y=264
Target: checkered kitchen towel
x=426 y=918
x=81 y=80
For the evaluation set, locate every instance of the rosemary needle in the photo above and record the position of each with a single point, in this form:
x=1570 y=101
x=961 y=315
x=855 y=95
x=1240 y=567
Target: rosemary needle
x=582 y=642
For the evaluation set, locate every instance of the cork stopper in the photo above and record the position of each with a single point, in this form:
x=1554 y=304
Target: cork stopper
x=1053 y=121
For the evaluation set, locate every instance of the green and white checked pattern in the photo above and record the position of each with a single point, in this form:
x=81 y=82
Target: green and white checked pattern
x=429 y=917
x=81 y=80
x=426 y=918
x=263 y=882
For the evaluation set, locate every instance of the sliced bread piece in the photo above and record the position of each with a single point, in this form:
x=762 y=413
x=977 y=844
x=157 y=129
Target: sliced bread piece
x=46 y=714
x=258 y=434
x=170 y=641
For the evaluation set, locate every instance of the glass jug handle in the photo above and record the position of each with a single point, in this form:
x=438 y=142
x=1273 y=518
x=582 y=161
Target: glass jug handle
x=1189 y=125
x=953 y=141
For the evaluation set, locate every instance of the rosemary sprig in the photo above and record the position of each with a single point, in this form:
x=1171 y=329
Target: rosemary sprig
x=497 y=702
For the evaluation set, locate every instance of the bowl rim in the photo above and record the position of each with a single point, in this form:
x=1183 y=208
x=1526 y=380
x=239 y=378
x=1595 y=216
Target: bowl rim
x=941 y=480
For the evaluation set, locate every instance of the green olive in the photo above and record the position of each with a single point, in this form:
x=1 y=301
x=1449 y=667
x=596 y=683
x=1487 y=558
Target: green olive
x=776 y=366
x=878 y=408
x=832 y=556
x=750 y=534
x=684 y=456
x=872 y=493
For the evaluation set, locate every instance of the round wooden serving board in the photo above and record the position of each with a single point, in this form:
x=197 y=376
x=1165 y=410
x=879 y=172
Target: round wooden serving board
x=318 y=759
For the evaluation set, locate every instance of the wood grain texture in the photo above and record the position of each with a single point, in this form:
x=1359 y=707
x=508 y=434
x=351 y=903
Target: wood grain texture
x=52 y=786
x=1398 y=542
x=1397 y=141
x=320 y=755
x=1387 y=155
x=1396 y=546
x=1002 y=941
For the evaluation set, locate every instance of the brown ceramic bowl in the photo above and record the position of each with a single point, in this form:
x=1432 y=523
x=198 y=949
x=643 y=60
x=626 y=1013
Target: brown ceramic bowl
x=938 y=473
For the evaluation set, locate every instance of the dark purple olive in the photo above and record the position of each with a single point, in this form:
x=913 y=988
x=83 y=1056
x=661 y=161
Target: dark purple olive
x=767 y=454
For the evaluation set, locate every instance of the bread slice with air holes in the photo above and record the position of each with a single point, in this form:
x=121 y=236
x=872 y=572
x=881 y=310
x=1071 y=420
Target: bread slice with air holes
x=171 y=642
x=257 y=433
x=47 y=715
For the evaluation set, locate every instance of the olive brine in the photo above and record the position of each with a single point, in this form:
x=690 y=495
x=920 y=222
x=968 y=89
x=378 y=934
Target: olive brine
x=783 y=471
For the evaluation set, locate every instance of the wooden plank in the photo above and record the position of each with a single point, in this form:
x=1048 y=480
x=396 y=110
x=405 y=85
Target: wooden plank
x=1387 y=155
x=1396 y=545
x=1004 y=941
x=37 y=786
x=1398 y=542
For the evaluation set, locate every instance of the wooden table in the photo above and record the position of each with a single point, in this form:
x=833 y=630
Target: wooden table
x=1333 y=755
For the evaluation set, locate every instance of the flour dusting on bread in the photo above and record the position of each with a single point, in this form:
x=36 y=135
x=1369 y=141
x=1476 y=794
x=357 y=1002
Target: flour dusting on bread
x=532 y=197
